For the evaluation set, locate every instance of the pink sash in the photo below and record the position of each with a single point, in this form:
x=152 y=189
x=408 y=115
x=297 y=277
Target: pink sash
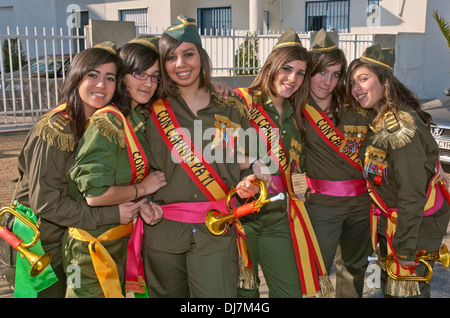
x=346 y=188
x=279 y=184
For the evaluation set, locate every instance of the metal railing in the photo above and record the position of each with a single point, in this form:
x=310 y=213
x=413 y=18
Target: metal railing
x=27 y=93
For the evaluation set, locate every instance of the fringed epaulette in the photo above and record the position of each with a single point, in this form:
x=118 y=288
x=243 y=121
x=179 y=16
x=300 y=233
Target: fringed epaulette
x=231 y=102
x=55 y=129
x=395 y=130
x=110 y=126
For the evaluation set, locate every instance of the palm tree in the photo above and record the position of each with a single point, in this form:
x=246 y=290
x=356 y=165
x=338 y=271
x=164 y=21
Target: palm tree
x=443 y=25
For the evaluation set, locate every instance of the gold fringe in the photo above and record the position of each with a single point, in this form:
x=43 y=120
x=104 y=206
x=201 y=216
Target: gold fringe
x=247 y=279
x=402 y=288
x=108 y=129
x=384 y=136
x=53 y=134
x=326 y=287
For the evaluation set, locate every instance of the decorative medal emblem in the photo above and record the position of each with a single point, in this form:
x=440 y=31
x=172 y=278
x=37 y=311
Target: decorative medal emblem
x=374 y=163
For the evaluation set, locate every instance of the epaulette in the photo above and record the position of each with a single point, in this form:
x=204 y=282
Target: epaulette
x=396 y=130
x=110 y=126
x=231 y=102
x=54 y=128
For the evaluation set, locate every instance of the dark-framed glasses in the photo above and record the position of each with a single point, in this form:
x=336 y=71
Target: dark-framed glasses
x=143 y=77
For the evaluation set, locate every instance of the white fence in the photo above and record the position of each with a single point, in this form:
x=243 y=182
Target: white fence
x=26 y=94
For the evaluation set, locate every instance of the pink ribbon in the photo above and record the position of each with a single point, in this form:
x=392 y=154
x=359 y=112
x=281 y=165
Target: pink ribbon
x=346 y=188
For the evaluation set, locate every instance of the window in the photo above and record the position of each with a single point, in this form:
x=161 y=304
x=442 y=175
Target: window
x=139 y=16
x=212 y=21
x=331 y=15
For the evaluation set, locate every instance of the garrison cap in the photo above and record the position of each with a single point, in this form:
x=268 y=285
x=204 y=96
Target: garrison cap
x=108 y=46
x=184 y=29
x=322 y=43
x=147 y=40
x=377 y=56
x=288 y=38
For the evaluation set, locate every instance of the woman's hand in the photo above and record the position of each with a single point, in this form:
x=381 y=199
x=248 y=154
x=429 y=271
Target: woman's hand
x=151 y=213
x=261 y=171
x=151 y=183
x=246 y=188
x=129 y=210
x=223 y=90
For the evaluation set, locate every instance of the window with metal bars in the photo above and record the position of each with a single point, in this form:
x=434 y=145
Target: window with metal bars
x=214 y=21
x=139 y=16
x=331 y=15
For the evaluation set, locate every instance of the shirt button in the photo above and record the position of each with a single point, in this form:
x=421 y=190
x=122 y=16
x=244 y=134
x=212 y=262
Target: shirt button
x=195 y=196
x=194 y=230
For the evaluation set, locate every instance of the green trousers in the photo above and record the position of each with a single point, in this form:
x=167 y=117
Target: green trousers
x=343 y=234
x=270 y=246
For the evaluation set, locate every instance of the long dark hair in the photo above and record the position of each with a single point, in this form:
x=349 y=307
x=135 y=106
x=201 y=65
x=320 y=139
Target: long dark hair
x=395 y=93
x=168 y=88
x=274 y=62
x=135 y=57
x=84 y=62
x=321 y=61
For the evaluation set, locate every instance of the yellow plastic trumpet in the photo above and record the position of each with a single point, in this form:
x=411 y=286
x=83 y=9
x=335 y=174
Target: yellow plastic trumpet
x=442 y=255
x=38 y=262
x=217 y=223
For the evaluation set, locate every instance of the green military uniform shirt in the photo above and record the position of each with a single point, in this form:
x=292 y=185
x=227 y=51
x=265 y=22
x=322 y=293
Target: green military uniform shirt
x=324 y=163
x=173 y=237
x=409 y=160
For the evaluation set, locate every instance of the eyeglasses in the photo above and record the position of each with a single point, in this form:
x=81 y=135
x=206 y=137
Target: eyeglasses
x=143 y=77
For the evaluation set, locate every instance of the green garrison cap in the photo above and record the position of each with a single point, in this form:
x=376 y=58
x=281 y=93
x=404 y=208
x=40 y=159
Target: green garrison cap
x=147 y=40
x=108 y=46
x=322 y=43
x=184 y=29
x=288 y=38
x=377 y=56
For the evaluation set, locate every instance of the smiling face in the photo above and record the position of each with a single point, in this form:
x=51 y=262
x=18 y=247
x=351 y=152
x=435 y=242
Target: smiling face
x=97 y=87
x=289 y=78
x=183 y=65
x=141 y=91
x=366 y=88
x=324 y=82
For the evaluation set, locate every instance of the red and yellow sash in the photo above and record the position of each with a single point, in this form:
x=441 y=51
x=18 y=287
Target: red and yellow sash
x=192 y=161
x=104 y=265
x=309 y=258
x=435 y=198
x=330 y=134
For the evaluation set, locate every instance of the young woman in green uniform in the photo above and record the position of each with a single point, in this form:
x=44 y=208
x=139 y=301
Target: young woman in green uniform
x=275 y=99
x=336 y=198
x=44 y=162
x=190 y=141
x=111 y=167
x=402 y=170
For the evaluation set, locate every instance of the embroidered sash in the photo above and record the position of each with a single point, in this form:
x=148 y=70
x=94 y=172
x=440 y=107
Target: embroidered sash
x=310 y=265
x=326 y=129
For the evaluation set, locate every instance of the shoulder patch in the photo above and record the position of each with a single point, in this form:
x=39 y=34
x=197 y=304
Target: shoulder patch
x=56 y=130
x=395 y=130
x=110 y=126
x=231 y=102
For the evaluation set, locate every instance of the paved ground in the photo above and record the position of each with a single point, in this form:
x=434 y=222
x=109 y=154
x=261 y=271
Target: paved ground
x=10 y=144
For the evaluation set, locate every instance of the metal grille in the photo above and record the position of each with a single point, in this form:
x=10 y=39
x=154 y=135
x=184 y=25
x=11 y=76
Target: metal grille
x=329 y=15
x=214 y=21
x=139 y=16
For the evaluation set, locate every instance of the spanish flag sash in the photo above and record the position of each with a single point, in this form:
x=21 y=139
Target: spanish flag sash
x=191 y=159
x=310 y=265
x=326 y=129
x=104 y=265
x=435 y=199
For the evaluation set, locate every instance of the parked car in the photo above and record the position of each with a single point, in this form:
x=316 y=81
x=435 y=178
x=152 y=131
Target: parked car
x=439 y=109
x=34 y=84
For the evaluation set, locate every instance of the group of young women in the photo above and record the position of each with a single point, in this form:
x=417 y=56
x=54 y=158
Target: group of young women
x=122 y=185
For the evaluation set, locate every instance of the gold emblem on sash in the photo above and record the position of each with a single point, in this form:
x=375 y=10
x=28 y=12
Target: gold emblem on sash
x=295 y=152
x=353 y=137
